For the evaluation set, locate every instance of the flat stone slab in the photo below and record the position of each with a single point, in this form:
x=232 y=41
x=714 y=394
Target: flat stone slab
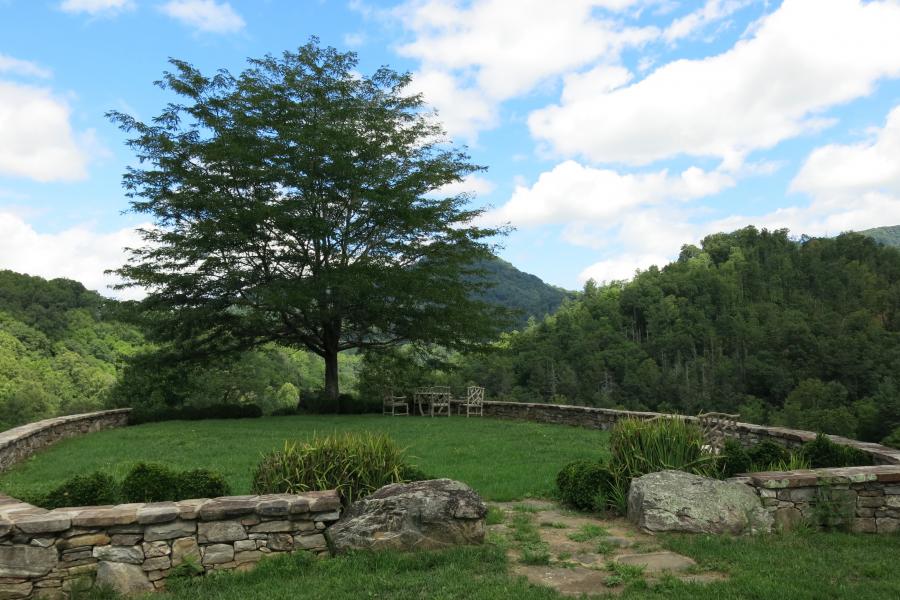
x=656 y=562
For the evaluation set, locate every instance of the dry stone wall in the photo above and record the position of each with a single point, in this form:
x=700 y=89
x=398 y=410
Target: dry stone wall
x=134 y=547
x=21 y=442
x=867 y=499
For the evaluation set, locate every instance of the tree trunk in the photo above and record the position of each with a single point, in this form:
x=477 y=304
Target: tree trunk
x=331 y=378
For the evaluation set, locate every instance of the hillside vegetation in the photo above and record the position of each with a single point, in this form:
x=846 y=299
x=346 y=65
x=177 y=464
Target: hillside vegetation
x=804 y=333
x=889 y=236
x=522 y=292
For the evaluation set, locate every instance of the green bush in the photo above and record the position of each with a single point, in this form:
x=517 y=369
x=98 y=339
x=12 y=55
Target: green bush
x=640 y=447
x=353 y=463
x=734 y=458
x=413 y=473
x=582 y=484
x=201 y=483
x=194 y=413
x=83 y=490
x=148 y=482
x=893 y=440
x=823 y=453
x=767 y=453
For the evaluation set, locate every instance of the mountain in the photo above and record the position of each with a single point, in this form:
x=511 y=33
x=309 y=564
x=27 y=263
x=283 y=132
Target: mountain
x=889 y=236
x=522 y=292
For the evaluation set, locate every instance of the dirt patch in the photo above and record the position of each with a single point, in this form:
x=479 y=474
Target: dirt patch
x=580 y=554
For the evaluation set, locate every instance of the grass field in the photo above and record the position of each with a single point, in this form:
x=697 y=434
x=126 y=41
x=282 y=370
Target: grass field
x=502 y=460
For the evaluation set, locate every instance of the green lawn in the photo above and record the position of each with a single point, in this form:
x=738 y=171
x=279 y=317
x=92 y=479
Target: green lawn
x=503 y=460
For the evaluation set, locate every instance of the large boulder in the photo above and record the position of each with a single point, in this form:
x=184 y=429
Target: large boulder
x=409 y=516
x=124 y=578
x=679 y=501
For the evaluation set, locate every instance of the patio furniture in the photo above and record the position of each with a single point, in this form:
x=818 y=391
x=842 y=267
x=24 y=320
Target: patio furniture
x=432 y=399
x=394 y=405
x=473 y=402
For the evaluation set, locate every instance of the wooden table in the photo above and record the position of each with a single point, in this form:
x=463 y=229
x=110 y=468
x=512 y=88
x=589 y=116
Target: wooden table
x=429 y=396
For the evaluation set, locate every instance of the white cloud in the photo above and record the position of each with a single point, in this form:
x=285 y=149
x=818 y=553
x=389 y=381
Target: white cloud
x=205 y=15
x=622 y=267
x=710 y=12
x=842 y=170
x=490 y=50
x=15 y=66
x=574 y=193
x=804 y=58
x=96 y=7
x=77 y=253
x=470 y=184
x=36 y=138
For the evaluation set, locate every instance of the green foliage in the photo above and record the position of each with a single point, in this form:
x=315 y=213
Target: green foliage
x=194 y=413
x=354 y=250
x=355 y=464
x=823 y=453
x=734 y=458
x=766 y=453
x=94 y=489
x=639 y=447
x=889 y=236
x=413 y=473
x=580 y=483
x=525 y=294
x=149 y=482
x=201 y=483
x=739 y=324
x=187 y=568
x=893 y=440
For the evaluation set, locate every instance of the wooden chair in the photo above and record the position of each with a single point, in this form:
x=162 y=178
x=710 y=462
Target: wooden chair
x=440 y=401
x=473 y=402
x=394 y=405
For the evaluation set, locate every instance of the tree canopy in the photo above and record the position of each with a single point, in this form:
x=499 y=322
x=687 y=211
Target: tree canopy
x=300 y=202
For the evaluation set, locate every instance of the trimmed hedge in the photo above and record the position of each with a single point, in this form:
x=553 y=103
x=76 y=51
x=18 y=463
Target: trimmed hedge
x=94 y=489
x=195 y=413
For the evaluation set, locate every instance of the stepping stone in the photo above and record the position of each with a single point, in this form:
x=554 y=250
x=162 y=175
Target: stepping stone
x=621 y=542
x=654 y=562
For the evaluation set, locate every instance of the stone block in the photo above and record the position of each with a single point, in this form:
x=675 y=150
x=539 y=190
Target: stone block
x=190 y=509
x=125 y=539
x=90 y=539
x=170 y=531
x=185 y=548
x=273 y=527
x=887 y=525
x=124 y=514
x=125 y=578
x=870 y=501
x=217 y=554
x=227 y=508
x=787 y=519
x=158 y=512
x=273 y=506
x=156 y=549
x=156 y=564
x=863 y=526
x=15 y=590
x=44 y=523
x=220 y=531
x=248 y=556
x=280 y=542
x=315 y=541
x=123 y=554
x=245 y=545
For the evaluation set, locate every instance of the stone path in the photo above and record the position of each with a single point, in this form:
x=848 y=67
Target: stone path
x=579 y=554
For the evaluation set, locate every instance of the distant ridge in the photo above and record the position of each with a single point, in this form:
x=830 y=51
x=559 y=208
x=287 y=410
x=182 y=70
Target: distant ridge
x=889 y=236
x=521 y=291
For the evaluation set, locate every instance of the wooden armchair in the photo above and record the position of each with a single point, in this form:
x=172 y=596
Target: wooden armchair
x=394 y=405
x=440 y=401
x=473 y=402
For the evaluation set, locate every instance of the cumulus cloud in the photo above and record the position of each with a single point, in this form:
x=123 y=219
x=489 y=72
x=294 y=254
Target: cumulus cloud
x=36 y=138
x=96 y=7
x=470 y=184
x=710 y=12
x=77 y=253
x=802 y=59
x=490 y=50
x=207 y=16
x=575 y=193
x=15 y=66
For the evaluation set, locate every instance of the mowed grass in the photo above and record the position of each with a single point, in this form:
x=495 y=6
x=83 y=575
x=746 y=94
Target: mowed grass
x=502 y=460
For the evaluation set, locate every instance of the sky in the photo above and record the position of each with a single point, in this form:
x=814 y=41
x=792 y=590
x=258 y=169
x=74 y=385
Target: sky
x=613 y=131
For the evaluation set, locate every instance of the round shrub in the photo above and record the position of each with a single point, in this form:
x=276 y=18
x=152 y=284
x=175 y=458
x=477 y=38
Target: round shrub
x=767 y=453
x=84 y=490
x=148 y=482
x=201 y=483
x=353 y=463
x=583 y=484
x=893 y=440
x=734 y=458
x=822 y=453
x=413 y=473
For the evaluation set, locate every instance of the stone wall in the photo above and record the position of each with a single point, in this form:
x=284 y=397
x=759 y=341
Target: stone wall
x=21 y=442
x=134 y=547
x=867 y=499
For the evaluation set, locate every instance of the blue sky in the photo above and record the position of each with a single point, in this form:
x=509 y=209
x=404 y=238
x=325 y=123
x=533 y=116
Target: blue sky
x=613 y=130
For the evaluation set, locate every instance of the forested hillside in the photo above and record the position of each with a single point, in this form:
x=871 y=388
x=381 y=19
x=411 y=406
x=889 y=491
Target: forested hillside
x=804 y=333
x=889 y=236
x=60 y=349
x=522 y=292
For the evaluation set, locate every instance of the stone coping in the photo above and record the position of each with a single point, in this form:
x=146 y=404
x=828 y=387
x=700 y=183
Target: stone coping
x=888 y=458
x=817 y=477
x=15 y=435
x=17 y=515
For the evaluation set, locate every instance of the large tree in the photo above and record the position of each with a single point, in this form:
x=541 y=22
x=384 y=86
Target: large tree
x=300 y=202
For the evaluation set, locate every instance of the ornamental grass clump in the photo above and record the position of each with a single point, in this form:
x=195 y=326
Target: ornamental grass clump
x=353 y=463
